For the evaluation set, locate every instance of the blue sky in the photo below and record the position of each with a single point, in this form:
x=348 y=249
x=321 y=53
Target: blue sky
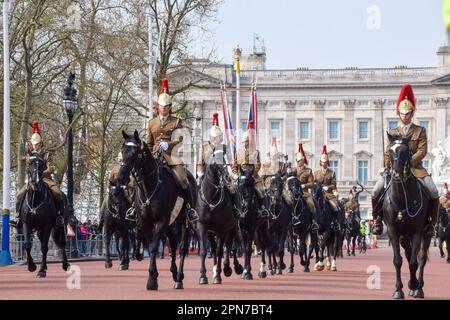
x=333 y=33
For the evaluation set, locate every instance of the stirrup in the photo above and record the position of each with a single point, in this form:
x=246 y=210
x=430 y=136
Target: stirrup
x=296 y=221
x=192 y=215
x=60 y=220
x=314 y=226
x=264 y=213
x=129 y=216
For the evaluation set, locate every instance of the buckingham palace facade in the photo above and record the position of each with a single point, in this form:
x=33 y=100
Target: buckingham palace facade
x=348 y=109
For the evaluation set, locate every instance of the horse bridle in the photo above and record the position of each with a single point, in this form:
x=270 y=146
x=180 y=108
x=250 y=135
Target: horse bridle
x=140 y=182
x=298 y=199
x=220 y=187
x=38 y=182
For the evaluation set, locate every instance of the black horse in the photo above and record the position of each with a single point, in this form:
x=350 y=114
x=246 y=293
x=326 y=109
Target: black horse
x=301 y=231
x=247 y=206
x=278 y=226
x=215 y=209
x=406 y=206
x=443 y=231
x=116 y=205
x=157 y=199
x=39 y=213
x=328 y=237
x=351 y=227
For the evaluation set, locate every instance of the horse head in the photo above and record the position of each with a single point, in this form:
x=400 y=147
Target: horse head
x=400 y=156
x=216 y=166
x=134 y=153
x=294 y=186
x=276 y=188
x=35 y=170
x=116 y=194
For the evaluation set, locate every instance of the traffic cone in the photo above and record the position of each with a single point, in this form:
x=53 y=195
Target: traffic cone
x=70 y=232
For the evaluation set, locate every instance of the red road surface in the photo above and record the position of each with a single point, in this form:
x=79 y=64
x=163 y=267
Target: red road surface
x=349 y=282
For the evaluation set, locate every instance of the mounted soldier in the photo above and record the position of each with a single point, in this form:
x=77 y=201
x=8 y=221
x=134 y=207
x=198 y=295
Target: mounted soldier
x=37 y=147
x=274 y=166
x=327 y=178
x=444 y=200
x=352 y=204
x=161 y=141
x=306 y=178
x=418 y=150
x=247 y=157
x=214 y=148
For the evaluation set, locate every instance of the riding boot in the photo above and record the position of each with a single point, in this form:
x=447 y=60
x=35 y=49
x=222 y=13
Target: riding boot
x=378 y=216
x=19 y=204
x=192 y=214
x=434 y=207
x=314 y=225
x=337 y=225
x=59 y=211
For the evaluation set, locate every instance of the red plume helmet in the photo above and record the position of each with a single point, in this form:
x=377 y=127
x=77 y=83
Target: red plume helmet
x=406 y=93
x=215 y=121
x=324 y=157
x=300 y=150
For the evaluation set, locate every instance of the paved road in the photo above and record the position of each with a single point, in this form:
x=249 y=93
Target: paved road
x=349 y=282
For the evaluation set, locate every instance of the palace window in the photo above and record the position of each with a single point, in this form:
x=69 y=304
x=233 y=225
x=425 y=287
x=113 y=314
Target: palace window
x=363 y=130
x=304 y=130
x=333 y=130
x=334 y=165
x=363 y=170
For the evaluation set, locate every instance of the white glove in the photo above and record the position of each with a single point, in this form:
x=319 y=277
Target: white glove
x=303 y=186
x=164 y=145
x=200 y=174
x=335 y=193
x=325 y=188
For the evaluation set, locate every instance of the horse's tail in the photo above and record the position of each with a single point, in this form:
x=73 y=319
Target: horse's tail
x=59 y=236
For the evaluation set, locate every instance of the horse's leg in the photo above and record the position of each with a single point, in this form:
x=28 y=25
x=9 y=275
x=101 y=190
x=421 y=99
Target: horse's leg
x=218 y=267
x=152 y=282
x=59 y=237
x=108 y=235
x=414 y=264
x=44 y=236
x=353 y=245
x=441 y=251
x=124 y=248
x=203 y=239
x=398 y=294
x=319 y=266
x=27 y=235
x=173 y=252
x=282 y=244
x=236 y=245
x=291 y=251
x=348 y=240
x=247 y=274
x=183 y=252
x=423 y=257
x=309 y=250
x=447 y=243
x=227 y=271
x=262 y=266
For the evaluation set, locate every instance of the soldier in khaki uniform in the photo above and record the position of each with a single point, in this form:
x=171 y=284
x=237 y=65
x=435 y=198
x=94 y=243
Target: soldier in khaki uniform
x=216 y=148
x=248 y=157
x=161 y=137
x=306 y=178
x=327 y=178
x=352 y=205
x=418 y=149
x=274 y=166
x=37 y=147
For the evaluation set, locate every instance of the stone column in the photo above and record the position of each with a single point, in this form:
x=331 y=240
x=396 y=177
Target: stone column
x=377 y=139
x=289 y=130
x=320 y=128
x=441 y=118
x=348 y=164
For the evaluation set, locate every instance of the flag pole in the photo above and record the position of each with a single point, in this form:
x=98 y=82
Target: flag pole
x=237 y=57
x=150 y=73
x=5 y=256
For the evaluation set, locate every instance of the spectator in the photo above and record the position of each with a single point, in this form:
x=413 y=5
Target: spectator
x=94 y=237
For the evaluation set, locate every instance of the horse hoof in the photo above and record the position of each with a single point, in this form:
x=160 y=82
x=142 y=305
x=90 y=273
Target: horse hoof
x=272 y=272
x=448 y=260
x=108 y=265
x=411 y=293
x=66 y=266
x=348 y=253
x=152 y=285
x=279 y=271
x=306 y=269
x=41 y=274
x=203 y=280
x=283 y=266
x=139 y=257
x=178 y=285
x=353 y=254
x=247 y=276
x=290 y=270
x=398 y=295
x=419 y=294
x=328 y=267
x=303 y=263
x=217 y=280
x=442 y=255
x=32 y=267
x=123 y=267
x=262 y=275
x=333 y=268
x=238 y=269
x=227 y=271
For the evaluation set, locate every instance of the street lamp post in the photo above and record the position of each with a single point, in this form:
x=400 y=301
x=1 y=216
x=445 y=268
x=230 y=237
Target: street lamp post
x=70 y=105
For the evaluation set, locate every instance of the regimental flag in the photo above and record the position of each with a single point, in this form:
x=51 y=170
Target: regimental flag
x=227 y=120
x=253 y=113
